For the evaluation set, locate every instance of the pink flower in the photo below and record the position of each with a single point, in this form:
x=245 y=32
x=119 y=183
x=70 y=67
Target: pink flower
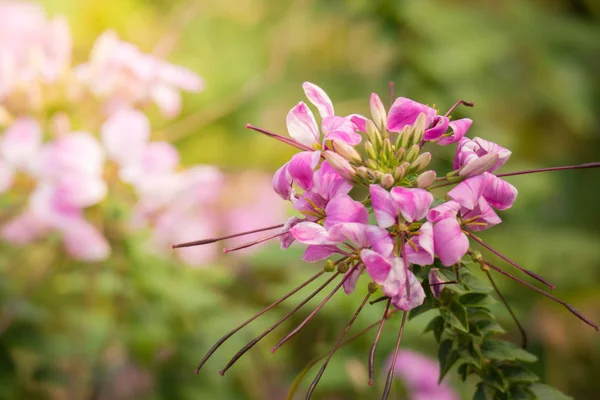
x=469 y=151
x=404 y=112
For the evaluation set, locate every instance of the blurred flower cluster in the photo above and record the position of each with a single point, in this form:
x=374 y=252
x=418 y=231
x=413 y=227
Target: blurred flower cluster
x=74 y=136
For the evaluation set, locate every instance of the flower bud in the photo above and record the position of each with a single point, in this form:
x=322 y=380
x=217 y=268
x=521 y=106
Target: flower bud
x=347 y=151
x=413 y=152
x=426 y=179
x=372 y=286
x=329 y=266
x=419 y=128
x=387 y=181
x=362 y=172
x=340 y=164
x=386 y=150
x=399 y=172
x=378 y=112
x=370 y=149
x=421 y=162
x=374 y=135
x=479 y=166
x=405 y=136
x=400 y=153
x=371 y=164
x=343 y=267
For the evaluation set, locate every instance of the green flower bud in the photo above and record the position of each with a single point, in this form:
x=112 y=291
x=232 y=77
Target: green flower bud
x=405 y=136
x=387 y=181
x=421 y=162
x=399 y=173
x=374 y=135
x=413 y=152
x=426 y=179
x=419 y=128
x=347 y=151
x=378 y=113
x=370 y=149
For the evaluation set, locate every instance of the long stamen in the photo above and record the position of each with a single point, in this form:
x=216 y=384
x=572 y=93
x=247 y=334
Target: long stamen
x=512 y=314
x=255 y=242
x=511 y=262
x=458 y=103
x=374 y=345
x=265 y=333
x=312 y=314
x=535 y=171
x=314 y=383
x=377 y=300
x=283 y=139
x=208 y=241
x=231 y=333
x=529 y=285
x=392 y=91
x=390 y=375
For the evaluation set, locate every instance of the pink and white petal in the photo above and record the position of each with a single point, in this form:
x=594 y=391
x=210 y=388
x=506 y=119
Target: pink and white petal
x=287 y=239
x=282 y=182
x=339 y=128
x=80 y=191
x=319 y=99
x=465 y=153
x=406 y=301
x=24 y=228
x=424 y=253
x=450 y=243
x=125 y=135
x=360 y=122
x=468 y=192
x=311 y=233
x=302 y=168
x=302 y=126
x=342 y=208
x=20 y=142
x=440 y=126
x=405 y=112
x=328 y=182
x=413 y=203
x=459 y=129
x=351 y=280
x=499 y=194
x=445 y=210
x=384 y=207
x=353 y=232
x=378 y=267
x=380 y=240
x=435 y=283
x=487 y=147
x=483 y=213
x=167 y=98
x=316 y=253
x=83 y=241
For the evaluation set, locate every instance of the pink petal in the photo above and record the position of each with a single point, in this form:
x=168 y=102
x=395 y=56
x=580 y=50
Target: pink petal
x=319 y=99
x=384 y=207
x=440 y=126
x=287 y=239
x=311 y=233
x=459 y=129
x=380 y=240
x=350 y=283
x=468 y=192
x=353 y=232
x=301 y=168
x=450 y=243
x=465 y=153
x=167 y=98
x=302 y=125
x=20 y=142
x=500 y=194
x=413 y=203
x=79 y=191
x=77 y=151
x=360 y=122
x=483 y=213
x=282 y=182
x=316 y=253
x=84 y=242
x=423 y=255
x=407 y=302
x=377 y=266
x=405 y=112
x=435 y=283
x=339 y=128
x=125 y=135
x=24 y=228
x=328 y=183
x=342 y=208
x=487 y=147
x=445 y=210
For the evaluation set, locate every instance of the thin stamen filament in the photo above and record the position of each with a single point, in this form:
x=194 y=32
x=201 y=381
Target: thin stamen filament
x=255 y=242
x=208 y=241
x=314 y=383
x=265 y=333
x=374 y=345
x=390 y=375
x=458 y=103
x=283 y=139
x=232 y=332
x=563 y=168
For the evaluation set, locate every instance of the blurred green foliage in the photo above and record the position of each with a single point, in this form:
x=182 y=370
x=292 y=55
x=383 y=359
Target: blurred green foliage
x=136 y=326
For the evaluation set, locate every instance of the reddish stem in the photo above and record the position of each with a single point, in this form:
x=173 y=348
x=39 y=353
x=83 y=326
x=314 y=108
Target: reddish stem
x=208 y=241
x=564 y=168
x=374 y=345
x=390 y=375
x=283 y=139
x=458 y=103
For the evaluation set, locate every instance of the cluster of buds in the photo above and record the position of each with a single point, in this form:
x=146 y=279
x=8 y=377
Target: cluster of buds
x=403 y=222
x=73 y=136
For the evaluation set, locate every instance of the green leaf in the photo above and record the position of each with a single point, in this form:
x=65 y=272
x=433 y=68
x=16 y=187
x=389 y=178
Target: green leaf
x=475 y=284
x=437 y=326
x=495 y=379
x=484 y=392
x=520 y=392
x=428 y=304
x=487 y=326
x=476 y=299
x=496 y=349
x=519 y=374
x=545 y=392
x=456 y=315
x=447 y=356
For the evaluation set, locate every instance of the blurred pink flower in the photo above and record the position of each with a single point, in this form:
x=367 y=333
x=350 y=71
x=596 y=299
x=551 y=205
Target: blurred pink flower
x=119 y=72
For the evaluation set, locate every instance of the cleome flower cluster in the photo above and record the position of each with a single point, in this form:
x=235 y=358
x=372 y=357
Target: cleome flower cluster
x=398 y=217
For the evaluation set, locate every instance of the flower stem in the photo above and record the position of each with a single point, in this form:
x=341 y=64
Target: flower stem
x=231 y=333
x=512 y=314
x=312 y=314
x=511 y=262
x=563 y=168
x=390 y=375
x=265 y=333
x=374 y=345
x=208 y=241
x=314 y=383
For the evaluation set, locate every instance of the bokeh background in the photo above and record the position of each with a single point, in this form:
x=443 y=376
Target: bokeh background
x=135 y=326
